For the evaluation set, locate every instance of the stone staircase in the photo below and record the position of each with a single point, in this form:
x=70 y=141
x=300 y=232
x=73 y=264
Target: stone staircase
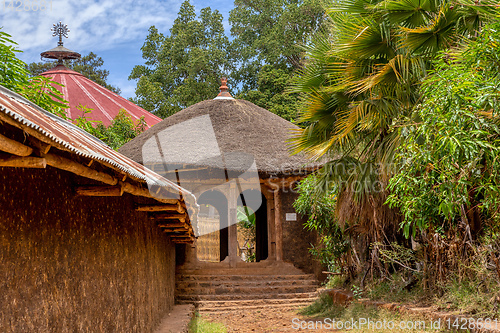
x=217 y=290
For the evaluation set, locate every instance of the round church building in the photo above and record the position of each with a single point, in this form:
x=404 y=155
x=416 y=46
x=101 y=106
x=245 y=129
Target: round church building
x=233 y=155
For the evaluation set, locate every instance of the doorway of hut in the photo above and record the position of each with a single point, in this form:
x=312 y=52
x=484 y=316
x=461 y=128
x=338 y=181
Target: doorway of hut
x=212 y=244
x=252 y=234
x=252 y=226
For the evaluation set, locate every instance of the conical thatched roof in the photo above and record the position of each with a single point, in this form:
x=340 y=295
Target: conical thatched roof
x=238 y=126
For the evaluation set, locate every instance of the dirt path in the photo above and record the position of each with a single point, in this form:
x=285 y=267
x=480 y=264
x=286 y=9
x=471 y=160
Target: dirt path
x=262 y=321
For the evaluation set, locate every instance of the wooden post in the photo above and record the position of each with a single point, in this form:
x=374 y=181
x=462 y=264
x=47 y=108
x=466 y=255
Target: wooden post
x=278 y=225
x=232 y=230
x=271 y=228
x=23 y=162
x=14 y=147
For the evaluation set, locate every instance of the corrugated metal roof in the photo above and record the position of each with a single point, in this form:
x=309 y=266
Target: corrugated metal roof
x=105 y=104
x=79 y=142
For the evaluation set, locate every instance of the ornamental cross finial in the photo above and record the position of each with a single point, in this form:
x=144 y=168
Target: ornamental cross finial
x=60 y=30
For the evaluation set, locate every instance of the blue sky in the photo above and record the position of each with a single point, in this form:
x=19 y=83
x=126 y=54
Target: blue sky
x=113 y=29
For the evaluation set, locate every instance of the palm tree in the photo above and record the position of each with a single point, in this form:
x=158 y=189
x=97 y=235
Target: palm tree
x=361 y=85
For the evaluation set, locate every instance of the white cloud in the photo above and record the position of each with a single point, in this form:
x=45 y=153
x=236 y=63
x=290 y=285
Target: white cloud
x=113 y=29
x=94 y=25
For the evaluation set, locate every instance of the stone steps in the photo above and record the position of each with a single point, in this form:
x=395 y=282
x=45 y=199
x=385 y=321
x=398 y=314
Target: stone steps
x=272 y=304
x=182 y=285
x=236 y=289
x=195 y=299
x=246 y=290
x=182 y=277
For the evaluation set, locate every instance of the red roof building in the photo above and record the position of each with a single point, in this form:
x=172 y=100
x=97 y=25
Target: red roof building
x=105 y=104
x=79 y=90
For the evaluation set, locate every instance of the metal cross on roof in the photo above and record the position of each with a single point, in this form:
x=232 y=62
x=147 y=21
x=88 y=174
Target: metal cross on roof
x=60 y=30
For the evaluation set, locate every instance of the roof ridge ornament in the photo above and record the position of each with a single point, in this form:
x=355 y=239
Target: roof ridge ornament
x=224 y=93
x=60 y=52
x=60 y=30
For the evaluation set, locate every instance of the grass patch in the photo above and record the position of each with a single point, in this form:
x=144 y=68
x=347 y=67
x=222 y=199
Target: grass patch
x=200 y=325
x=393 y=290
x=479 y=298
x=324 y=308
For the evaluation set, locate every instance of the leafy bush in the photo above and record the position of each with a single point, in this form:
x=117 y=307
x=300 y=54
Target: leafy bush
x=320 y=210
x=450 y=166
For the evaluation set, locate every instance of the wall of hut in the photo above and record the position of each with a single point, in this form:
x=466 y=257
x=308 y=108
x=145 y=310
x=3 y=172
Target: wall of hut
x=78 y=264
x=296 y=240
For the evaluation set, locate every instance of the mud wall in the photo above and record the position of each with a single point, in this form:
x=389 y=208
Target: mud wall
x=78 y=264
x=297 y=240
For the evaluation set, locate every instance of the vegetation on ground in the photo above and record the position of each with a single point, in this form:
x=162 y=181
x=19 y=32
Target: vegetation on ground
x=360 y=314
x=200 y=325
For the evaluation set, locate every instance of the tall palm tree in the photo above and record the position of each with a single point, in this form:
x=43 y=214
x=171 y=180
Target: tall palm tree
x=361 y=84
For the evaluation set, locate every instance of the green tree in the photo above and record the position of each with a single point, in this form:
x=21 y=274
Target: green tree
x=361 y=84
x=184 y=67
x=271 y=32
x=271 y=93
x=121 y=130
x=13 y=74
x=89 y=66
x=334 y=242
x=450 y=167
x=268 y=36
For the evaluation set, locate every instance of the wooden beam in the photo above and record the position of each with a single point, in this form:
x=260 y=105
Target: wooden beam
x=99 y=191
x=144 y=192
x=183 y=227
x=182 y=170
x=78 y=169
x=23 y=162
x=182 y=236
x=161 y=208
x=171 y=225
x=167 y=216
x=13 y=147
x=42 y=147
x=178 y=233
x=178 y=229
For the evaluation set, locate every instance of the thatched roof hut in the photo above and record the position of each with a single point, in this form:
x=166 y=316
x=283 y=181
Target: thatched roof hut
x=232 y=153
x=239 y=126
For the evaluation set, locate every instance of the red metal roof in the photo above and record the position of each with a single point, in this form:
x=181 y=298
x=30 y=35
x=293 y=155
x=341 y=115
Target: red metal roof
x=105 y=103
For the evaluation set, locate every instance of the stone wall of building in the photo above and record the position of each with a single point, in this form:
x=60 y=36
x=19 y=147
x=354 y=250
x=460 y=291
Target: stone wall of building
x=297 y=240
x=78 y=264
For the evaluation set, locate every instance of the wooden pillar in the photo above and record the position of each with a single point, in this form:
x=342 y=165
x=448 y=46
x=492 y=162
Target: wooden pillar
x=278 y=224
x=271 y=229
x=233 y=231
